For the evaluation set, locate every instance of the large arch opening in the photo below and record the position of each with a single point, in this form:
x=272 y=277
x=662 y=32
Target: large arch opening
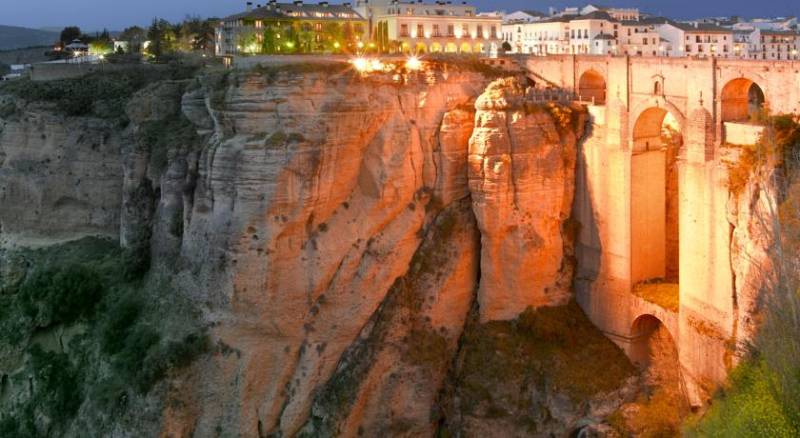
x=592 y=87
x=654 y=202
x=654 y=351
x=742 y=101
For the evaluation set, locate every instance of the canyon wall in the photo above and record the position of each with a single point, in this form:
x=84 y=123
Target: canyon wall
x=60 y=177
x=366 y=251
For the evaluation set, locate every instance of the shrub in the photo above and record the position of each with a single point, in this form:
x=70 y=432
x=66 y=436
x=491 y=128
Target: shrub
x=128 y=341
x=60 y=296
x=749 y=409
x=107 y=90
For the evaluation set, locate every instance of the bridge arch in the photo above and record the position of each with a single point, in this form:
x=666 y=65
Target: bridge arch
x=742 y=99
x=592 y=87
x=651 y=341
x=657 y=139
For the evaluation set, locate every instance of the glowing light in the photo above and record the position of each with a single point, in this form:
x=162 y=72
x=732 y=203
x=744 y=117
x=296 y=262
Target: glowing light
x=336 y=45
x=376 y=65
x=361 y=64
x=413 y=63
x=360 y=45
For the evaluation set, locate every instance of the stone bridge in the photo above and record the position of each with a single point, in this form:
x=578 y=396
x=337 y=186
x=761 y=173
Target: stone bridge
x=653 y=198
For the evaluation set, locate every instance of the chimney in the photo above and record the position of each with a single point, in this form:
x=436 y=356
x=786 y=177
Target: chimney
x=323 y=4
x=298 y=2
x=249 y=6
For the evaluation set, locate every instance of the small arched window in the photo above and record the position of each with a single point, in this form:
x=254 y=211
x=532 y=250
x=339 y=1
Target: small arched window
x=657 y=88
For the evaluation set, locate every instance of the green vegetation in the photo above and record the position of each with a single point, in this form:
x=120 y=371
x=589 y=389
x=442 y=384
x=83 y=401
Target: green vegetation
x=778 y=146
x=167 y=135
x=281 y=37
x=101 y=94
x=87 y=329
x=749 y=408
x=552 y=347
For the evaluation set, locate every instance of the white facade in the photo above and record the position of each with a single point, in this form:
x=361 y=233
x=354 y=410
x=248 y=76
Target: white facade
x=418 y=27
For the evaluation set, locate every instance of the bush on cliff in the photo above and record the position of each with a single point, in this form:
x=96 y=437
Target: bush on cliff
x=100 y=94
x=116 y=336
x=508 y=365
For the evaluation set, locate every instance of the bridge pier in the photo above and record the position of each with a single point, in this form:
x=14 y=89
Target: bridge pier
x=615 y=201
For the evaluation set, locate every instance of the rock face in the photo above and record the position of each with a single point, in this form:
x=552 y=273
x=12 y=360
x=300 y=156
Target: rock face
x=390 y=379
x=522 y=181
x=338 y=232
x=311 y=200
x=60 y=178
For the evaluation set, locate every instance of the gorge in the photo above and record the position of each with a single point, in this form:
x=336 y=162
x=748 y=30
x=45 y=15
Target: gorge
x=433 y=253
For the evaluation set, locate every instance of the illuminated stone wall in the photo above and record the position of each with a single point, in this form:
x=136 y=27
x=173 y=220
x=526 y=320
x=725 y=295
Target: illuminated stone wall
x=618 y=189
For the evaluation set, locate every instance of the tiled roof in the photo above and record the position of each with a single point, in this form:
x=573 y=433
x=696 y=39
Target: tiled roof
x=291 y=10
x=778 y=32
x=533 y=13
x=700 y=27
x=596 y=15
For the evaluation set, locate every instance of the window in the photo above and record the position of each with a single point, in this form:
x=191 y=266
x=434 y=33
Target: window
x=403 y=30
x=436 y=32
x=494 y=31
x=420 y=31
x=451 y=30
x=480 y=31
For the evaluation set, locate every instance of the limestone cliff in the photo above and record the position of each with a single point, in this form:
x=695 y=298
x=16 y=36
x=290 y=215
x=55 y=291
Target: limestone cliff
x=522 y=179
x=311 y=200
x=339 y=232
x=60 y=177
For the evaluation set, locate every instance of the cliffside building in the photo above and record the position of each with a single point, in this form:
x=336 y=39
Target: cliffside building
x=285 y=28
x=418 y=27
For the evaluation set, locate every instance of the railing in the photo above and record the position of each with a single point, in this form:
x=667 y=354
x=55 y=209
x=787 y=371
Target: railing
x=538 y=95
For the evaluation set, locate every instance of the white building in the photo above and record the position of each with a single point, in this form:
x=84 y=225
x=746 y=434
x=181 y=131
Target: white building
x=699 y=39
x=418 y=27
x=774 y=44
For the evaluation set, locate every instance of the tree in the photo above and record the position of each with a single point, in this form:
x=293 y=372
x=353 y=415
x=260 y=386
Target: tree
x=4 y=69
x=162 y=38
x=135 y=36
x=270 y=42
x=333 y=38
x=248 y=43
x=70 y=33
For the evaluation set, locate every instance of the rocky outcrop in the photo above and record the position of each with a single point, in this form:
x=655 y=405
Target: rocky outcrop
x=522 y=180
x=60 y=177
x=753 y=217
x=311 y=197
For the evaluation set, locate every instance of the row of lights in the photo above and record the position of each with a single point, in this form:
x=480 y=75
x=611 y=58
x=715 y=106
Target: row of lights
x=370 y=65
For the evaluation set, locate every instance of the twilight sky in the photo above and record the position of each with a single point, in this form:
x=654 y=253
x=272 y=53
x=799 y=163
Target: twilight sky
x=117 y=14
